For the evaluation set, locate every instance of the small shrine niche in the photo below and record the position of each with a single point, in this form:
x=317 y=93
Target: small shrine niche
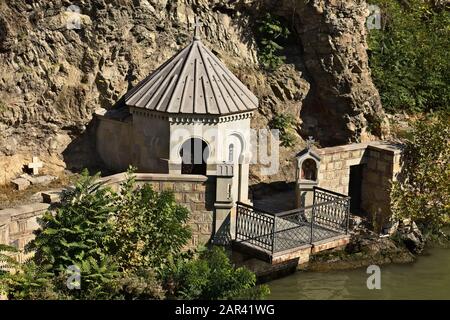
x=308 y=170
x=308 y=163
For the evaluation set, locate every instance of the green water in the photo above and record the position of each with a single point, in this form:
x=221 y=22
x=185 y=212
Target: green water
x=427 y=278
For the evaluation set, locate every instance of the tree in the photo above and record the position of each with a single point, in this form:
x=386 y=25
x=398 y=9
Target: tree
x=422 y=192
x=409 y=56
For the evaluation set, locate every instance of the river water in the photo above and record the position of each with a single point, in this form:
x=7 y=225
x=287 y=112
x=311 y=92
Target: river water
x=427 y=278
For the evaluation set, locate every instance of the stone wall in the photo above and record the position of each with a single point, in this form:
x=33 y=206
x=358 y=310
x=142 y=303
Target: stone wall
x=17 y=225
x=195 y=192
x=381 y=164
x=334 y=169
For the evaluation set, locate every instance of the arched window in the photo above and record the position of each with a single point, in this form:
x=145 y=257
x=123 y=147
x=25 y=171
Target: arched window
x=231 y=153
x=194 y=154
x=309 y=170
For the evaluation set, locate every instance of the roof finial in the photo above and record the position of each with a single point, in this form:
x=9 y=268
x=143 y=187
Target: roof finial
x=197 y=24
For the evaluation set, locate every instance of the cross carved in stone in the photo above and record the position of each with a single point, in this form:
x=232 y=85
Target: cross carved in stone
x=35 y=165
x=310 y=142
x=197 y=25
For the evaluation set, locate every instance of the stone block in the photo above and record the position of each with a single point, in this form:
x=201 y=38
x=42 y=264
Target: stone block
x=336 y=156
x=345 y=180
x=13 y=227
x=199 y=187
x=167 y=186
x=41 y=180
x=156 y=185
x=32 y=224
x=179 y=197
x=338 y=165
x=184 y=186
x=345 y=155
x=192 y=197
x=20 y=183
x=51 y=196
x=356 y=153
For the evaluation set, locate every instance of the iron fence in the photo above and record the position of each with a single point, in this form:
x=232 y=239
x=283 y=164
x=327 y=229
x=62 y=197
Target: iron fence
x=276 y=232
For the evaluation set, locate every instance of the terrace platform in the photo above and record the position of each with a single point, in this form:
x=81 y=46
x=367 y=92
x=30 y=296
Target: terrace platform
x=294 y=234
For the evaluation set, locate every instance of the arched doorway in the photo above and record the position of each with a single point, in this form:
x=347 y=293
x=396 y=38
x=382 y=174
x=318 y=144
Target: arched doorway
x=194 y=155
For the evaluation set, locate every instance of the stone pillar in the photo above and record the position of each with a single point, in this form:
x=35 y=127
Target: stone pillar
x=224 y=204
x=304 y=193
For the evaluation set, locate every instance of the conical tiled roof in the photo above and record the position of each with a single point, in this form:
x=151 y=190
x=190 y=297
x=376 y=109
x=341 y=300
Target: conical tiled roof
x=194 y=81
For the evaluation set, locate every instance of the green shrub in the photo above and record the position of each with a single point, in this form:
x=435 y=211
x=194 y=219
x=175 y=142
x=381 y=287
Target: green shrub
x=422 y=190
x=150 y=227
x=212 y=276
x=285 y=124
x=269 y=30
x=124 y=245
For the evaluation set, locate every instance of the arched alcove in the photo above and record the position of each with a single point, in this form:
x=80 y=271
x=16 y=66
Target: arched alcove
x=194 y=154
x=309 y=170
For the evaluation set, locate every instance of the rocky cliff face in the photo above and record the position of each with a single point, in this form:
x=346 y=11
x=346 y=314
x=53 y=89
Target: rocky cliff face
x=53 y=77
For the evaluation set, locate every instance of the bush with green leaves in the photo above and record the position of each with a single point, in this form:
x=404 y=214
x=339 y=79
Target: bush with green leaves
x=410 y=57
x=122 y=243
x=269 y=30
x=285 y=124
x=150 y=227
x=211 y=276
x=422 y=192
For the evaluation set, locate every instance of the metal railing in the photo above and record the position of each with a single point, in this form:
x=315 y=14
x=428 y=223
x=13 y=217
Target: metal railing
x=276 y=232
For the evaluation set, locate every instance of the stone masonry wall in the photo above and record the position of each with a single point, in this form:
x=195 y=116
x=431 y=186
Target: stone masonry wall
x=17 y=225
x=334 y=169
x=381 y=165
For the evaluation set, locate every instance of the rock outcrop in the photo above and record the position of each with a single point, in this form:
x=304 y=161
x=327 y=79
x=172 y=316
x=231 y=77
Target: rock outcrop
x=58 y=65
